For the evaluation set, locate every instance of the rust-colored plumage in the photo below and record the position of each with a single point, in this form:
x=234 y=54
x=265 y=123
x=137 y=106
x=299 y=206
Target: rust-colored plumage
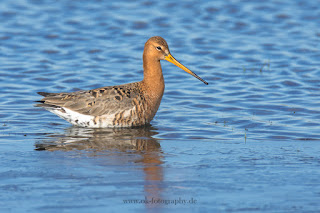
x=126 y=105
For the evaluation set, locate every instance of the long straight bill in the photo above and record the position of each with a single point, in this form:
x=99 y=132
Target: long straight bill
x=171 y=59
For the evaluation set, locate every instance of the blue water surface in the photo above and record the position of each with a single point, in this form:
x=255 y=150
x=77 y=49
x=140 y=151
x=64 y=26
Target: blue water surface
x=247 y=142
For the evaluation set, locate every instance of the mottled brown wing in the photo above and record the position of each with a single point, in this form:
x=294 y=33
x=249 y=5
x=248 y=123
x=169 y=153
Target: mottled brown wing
x=96 y=102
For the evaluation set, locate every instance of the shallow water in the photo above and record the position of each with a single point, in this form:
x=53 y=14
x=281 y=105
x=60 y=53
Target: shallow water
x=247 y=142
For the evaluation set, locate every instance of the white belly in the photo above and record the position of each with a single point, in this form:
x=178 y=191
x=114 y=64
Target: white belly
x=77 y=119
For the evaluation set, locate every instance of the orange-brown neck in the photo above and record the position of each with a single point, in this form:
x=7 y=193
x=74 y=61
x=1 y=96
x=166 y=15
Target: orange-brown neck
x=153 y=81
x=153 y=77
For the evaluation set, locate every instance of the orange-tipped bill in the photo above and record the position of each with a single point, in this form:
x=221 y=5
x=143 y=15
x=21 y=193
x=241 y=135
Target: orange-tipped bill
x=171 y=59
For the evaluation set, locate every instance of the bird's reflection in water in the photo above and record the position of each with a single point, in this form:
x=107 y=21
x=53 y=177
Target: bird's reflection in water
x=77 y=138
x=110 y=142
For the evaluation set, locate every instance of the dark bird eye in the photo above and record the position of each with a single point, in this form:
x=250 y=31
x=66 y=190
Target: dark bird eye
x=159 y=48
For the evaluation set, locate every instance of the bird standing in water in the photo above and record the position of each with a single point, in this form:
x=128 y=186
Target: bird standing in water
x=127 y=105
